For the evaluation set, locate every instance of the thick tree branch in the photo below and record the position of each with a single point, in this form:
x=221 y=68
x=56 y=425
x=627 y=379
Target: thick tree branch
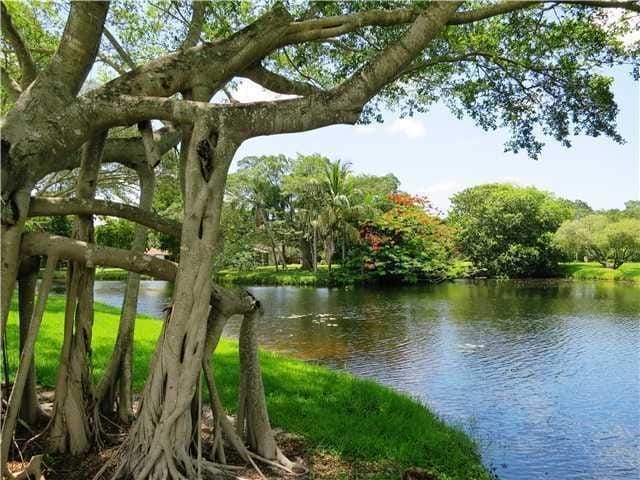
x=128 y=151
x=509 y=6
x=198 y=10
x=217 y=62
x=92 y=255
x=79 y=45
x=9 y=31
x=340 y=105
x=489 y=11
x=278 y=83
x=226 y=301
x=45 y=206
x=9 y=85
x=329 y=27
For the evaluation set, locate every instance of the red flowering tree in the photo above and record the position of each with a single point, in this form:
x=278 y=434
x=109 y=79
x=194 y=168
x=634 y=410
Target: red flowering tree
x=407 y=243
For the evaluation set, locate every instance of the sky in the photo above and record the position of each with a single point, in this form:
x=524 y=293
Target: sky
x=437 y=155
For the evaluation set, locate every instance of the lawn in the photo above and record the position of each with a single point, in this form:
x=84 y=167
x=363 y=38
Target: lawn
x=358 y=421
x=595 y=271
x=293 y=275
x=102 y=273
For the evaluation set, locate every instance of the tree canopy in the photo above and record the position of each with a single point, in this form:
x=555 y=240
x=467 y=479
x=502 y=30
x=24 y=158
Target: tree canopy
x=507 y=230
x=601 y=238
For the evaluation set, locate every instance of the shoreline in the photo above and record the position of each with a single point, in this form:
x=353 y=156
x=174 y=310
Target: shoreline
x=353 y=426
x=295 y=276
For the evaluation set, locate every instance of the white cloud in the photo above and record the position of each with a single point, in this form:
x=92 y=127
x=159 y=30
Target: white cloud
x=409 y=127
x=248 y=91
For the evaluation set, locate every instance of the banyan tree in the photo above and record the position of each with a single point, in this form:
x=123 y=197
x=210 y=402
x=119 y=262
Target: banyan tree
x=76 y=76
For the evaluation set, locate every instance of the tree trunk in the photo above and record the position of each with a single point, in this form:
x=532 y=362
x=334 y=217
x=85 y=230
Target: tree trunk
x=72 y=428
x=30 y=410
x=26 y=359
x=272 y=242
x=13 y=217
x=253 y=418
x=159 y=442
x=284 y=257
x=329 y=248
x=315 y=248
x=118 y=373
x=306 y=254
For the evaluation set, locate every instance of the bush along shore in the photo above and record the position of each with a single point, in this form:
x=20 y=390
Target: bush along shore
x=295 y=276
x=346 y=427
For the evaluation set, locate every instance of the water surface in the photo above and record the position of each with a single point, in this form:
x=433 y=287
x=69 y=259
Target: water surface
x=544 y=375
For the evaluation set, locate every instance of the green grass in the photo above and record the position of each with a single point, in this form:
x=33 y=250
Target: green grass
x=357 y=420
x=293 y=275
x=102 y=273
x=595 y=271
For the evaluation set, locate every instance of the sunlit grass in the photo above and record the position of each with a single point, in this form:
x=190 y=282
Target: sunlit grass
x=293 y=275
x=595 y=271
x=360 y=421
x=102 y=273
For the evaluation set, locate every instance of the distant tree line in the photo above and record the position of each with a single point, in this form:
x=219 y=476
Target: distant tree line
x=313 y=211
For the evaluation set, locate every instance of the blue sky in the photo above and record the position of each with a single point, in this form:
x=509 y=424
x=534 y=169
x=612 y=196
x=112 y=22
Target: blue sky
x=436 y=154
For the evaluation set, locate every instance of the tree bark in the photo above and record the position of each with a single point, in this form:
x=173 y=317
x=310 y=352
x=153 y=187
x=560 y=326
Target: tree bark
x=46 y=206
x=26 y=358
x=72 y=427
x=253 y=418
x=118 y=372
x=306 y=254
x=160 y=439
x=30 y=410
x=14 y=215
x=315 y=247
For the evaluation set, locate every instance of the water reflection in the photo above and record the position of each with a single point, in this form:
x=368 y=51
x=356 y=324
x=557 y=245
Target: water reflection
x=543 y=374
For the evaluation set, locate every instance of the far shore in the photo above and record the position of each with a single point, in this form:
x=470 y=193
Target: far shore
x=296 y=276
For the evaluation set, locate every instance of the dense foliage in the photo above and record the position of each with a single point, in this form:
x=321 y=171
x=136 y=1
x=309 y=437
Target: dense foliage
x=116 y=233
x=405 y=243
x=506 y=230
x=610 y=239
x=311 y=209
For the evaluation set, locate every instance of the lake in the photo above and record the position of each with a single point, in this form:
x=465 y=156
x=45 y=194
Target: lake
x=543 y=374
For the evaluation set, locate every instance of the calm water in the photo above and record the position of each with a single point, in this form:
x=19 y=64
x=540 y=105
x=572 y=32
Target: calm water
x=545 y=375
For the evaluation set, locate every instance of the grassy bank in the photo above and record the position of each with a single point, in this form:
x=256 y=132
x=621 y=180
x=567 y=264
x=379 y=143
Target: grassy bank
x=294 y=275
x=102 y=273
x=361 y=423
x=595 y=271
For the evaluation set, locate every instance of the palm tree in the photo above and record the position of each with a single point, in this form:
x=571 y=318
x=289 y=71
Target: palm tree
x=334 y=219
